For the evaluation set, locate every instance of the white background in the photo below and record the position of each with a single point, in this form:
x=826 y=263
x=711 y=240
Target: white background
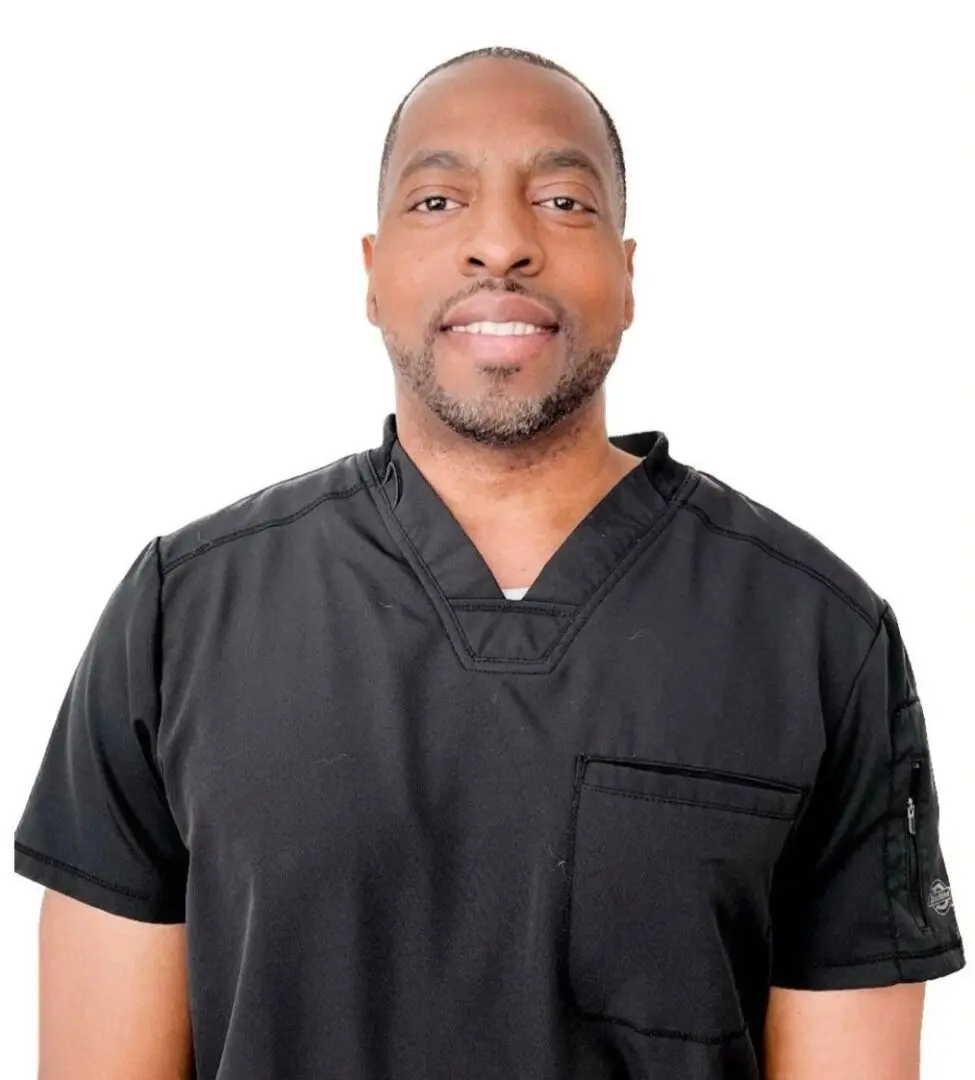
x=182 y=196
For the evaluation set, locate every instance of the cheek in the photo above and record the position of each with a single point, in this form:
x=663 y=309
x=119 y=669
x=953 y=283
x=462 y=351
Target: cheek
x=597 y=290
x=403 y=293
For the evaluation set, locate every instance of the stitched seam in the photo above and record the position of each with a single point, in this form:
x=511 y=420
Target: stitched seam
x=888 y=827
x=665 y=1033
x=158 y=666
x=273 y=523
x=687 y=802
x=863 y=662
x=40 y=857
x=632 y=555
x=462 y=637
x=705 y=772
x=762 y=545
x=645 y=537
x=794 y=832
x=626 y=561
x=530 y=607
x=925 y=954
x=157 y=660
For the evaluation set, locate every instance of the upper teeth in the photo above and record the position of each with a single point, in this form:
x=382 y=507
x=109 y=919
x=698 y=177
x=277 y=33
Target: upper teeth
x=499 y=328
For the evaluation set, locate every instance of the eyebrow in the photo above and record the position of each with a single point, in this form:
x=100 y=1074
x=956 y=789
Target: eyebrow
x=546 y=159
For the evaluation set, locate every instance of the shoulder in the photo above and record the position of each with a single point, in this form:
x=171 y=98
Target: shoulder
x=279 y=506
x=750 y=538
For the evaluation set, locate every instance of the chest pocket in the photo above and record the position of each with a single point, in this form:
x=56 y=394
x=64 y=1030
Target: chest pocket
x=669 y=894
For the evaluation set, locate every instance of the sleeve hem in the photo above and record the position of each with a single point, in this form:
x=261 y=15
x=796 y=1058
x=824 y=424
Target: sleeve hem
x=56 y=875
x=880 y=971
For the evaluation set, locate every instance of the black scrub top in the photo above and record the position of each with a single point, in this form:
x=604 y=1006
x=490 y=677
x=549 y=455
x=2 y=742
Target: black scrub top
x=417 y=830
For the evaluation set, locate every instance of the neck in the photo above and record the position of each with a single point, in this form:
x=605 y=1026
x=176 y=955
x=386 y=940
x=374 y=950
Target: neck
x=548 y=483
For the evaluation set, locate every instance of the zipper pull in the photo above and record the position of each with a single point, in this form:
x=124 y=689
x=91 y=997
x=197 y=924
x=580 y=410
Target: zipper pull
x=911 y=824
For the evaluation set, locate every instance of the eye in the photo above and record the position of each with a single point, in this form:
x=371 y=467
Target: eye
x=569 y=198
x=431 y=198
x=445 y=199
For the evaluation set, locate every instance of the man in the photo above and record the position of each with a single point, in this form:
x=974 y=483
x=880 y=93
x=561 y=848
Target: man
x=505 y=748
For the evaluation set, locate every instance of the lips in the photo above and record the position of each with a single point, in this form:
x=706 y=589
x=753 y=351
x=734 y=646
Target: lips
x=499 y=349
x=500 y=309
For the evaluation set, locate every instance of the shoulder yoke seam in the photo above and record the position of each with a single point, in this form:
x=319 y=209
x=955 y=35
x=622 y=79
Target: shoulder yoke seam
x=762 y=545
x=260 y=526
x=718 y=530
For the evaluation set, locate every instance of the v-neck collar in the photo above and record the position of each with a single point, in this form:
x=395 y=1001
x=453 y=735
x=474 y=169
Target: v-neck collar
x=586 y=565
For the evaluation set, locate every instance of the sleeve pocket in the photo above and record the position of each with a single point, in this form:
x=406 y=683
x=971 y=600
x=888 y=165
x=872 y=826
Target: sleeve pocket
x=920 y=886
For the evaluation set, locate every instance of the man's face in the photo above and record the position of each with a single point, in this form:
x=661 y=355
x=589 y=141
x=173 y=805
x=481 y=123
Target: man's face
x=496 y=230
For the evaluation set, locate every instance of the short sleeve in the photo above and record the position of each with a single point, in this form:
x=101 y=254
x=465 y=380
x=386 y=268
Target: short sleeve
x=861 y=895
x=97 y=825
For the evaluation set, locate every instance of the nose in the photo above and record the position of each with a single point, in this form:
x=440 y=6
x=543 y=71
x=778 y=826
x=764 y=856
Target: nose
x=502 y=236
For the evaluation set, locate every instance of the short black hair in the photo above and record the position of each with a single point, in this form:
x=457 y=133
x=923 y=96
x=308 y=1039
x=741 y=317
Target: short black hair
x=531 y=58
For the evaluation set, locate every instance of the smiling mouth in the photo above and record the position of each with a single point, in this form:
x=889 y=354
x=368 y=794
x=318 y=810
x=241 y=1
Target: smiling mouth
x=500 y=347
x=511 y=329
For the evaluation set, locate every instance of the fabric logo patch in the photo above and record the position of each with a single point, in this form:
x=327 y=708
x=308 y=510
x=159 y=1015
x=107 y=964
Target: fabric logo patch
x=939 y=898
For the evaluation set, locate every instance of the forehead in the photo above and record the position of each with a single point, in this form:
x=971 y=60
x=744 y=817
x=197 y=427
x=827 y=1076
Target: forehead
x=494 y=107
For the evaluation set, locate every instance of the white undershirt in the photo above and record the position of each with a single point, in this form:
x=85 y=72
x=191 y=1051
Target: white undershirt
x=515 y=594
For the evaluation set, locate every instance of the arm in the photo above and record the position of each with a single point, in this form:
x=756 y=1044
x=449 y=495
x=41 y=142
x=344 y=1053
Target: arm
x=868 y=1034
x=113 y=995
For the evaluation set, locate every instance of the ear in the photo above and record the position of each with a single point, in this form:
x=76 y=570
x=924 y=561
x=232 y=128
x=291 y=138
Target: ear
x=368 y=246
x=629 y=246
